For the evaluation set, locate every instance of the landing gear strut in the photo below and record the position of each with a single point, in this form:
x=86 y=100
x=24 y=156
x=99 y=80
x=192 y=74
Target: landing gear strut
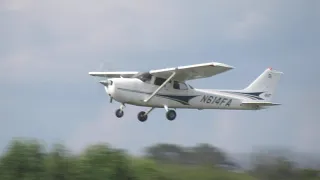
x=119 y=112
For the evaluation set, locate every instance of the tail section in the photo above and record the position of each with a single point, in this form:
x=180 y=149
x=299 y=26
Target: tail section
x=264 y=86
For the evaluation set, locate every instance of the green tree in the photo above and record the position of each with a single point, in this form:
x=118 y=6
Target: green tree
x=210 y=155
x=28 y=160
x=102 y=162
x=169 y=153
x=273 y=164
x=202 y=154
x=24 y=159
x=61 y=165
x=146 y=169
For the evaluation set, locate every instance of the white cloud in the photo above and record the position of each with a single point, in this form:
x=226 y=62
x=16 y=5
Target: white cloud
x=228 y=130
x=14 y=5
x=106 y=127
x=58 y=34
x=63 y=40
x=247 y=27
x=307 y=133
x=48 y=36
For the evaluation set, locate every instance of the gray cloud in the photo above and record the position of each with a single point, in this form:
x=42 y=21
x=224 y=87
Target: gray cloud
x=51 y=33
x=47 y=48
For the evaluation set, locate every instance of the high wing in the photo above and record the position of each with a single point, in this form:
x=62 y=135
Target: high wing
x=125 y=74
x=182 y=73
x=191 y=72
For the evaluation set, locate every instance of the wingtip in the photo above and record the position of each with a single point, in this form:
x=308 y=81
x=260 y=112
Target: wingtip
x=231 y=67
x=222 y=64
x=92 y=73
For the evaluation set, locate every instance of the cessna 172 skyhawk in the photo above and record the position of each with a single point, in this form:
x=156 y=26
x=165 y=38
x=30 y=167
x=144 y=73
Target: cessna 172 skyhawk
x=167 y=88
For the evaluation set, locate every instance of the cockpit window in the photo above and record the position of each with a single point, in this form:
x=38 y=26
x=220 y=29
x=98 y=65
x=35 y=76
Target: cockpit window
x=144 y=77
x=179 y=85
x=159 y=81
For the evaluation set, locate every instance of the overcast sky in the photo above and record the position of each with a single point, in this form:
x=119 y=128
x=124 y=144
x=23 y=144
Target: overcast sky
x=48 y=47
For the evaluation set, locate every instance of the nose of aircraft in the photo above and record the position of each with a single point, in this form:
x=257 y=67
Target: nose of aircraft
x=108 y=85
x=108 y=88
x=106 y=82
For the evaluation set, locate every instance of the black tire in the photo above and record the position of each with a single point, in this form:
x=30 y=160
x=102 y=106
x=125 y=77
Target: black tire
x=171 y=115
x=119 y=113
x=142 y=116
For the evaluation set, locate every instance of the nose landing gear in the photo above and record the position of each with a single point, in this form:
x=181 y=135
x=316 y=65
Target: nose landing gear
x=119 y=112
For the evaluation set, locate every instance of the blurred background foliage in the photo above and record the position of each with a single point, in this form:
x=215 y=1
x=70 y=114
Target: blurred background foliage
x=26 y=159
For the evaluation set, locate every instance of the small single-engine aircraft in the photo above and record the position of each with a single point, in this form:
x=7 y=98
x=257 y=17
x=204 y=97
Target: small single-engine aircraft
x=167 y=88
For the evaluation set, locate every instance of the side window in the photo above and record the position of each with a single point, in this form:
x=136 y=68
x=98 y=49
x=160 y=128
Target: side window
x=183 y=86
x=178 y=85
x=159 y=81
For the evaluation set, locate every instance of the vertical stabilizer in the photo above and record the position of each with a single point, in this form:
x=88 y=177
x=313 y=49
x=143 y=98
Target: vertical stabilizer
x=265 y=84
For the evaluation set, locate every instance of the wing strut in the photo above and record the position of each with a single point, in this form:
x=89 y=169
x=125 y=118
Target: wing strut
x=162 y=85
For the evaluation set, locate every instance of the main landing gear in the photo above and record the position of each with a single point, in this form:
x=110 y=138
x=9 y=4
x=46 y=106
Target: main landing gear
x=171 y=115
x=143 y=116
x=119 y=112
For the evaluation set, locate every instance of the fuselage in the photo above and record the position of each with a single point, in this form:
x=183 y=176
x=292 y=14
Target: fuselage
x=134 y=91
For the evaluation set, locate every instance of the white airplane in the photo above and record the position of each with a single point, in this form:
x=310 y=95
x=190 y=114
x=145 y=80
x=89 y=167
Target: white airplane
x=167 y=88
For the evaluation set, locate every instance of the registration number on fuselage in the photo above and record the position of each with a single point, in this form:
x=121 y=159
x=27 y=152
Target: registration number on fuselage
x=216 y=100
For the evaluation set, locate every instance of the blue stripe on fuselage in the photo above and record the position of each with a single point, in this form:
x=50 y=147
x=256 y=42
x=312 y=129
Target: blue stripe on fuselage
x=181 y=99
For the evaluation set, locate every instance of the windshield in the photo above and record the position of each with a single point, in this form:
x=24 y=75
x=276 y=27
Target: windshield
x=143 y=76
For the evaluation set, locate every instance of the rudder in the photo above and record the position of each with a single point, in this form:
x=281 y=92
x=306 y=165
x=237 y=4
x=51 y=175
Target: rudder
x=265 y=84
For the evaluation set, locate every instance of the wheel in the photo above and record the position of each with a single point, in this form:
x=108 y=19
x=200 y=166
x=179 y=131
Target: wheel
x=171 y=115
x=119 y=113
x=142 y=116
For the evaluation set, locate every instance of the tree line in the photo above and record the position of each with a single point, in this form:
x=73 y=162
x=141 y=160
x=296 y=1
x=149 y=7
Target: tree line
x=29 y=160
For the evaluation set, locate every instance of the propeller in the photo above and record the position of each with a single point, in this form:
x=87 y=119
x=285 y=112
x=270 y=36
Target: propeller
x=105 y=81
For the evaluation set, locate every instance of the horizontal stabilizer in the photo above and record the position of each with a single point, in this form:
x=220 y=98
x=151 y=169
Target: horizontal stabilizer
x=260 y=103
